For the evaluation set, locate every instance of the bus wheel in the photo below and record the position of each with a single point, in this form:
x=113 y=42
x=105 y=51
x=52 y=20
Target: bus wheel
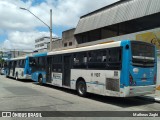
x=81 y=88
x=16 y=76
x=40 y=80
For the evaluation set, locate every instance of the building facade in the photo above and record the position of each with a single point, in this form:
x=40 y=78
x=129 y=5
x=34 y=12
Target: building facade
x=56 y=44
x=41 y=44
x=8 y=54
x=125 y=19
x=68 y=41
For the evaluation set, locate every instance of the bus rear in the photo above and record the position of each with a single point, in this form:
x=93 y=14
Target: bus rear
x=140 y=78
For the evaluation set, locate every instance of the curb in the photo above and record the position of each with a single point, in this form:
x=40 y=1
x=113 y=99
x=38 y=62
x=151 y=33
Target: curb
x=149 y=98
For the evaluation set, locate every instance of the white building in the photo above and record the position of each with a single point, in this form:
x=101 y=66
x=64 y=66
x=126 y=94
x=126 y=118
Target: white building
x=12 y=53
x=41 y=44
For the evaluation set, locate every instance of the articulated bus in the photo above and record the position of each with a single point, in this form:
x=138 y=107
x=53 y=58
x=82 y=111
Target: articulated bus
x=39 y=66
x=120 y=69
x=18 y=68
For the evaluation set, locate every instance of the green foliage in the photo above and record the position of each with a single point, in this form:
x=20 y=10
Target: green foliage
x=1 y=60
x=1 y=54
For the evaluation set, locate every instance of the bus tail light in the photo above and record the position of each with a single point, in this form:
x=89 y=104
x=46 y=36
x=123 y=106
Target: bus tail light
x=155 y=79
x=131 y=81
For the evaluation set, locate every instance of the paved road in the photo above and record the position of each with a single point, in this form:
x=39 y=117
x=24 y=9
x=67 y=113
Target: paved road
x=28 y=96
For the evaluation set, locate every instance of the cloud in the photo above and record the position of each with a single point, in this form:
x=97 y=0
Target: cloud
x=65 y=12
x=23 y=40
x=21 y=26
x=12 y=18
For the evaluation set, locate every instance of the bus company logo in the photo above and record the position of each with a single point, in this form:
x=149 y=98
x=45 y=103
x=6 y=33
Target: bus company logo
x=135 y=70
x=6 y=114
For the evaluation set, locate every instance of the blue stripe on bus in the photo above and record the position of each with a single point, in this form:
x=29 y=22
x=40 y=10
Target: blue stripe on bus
x=95 y=83
x=89 y=82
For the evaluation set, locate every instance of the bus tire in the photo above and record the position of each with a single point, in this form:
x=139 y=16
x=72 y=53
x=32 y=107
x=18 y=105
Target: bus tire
x=81 y=88
x=16 y=76
x=40 y=80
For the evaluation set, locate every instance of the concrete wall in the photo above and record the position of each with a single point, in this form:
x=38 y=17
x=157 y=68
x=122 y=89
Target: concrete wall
x=57 y=45
x=68 y=41
x=68 y=37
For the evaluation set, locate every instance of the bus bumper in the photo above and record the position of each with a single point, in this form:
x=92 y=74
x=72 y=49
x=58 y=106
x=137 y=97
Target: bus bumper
x=27 y=77
x=137 y=91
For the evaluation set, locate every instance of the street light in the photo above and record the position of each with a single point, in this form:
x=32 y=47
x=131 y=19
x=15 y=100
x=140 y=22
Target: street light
x=50 y=27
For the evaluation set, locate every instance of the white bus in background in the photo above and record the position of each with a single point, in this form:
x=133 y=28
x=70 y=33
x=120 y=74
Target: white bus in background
x=18 y=68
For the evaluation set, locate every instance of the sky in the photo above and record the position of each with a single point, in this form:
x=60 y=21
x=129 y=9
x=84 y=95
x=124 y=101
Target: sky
x=19 y=28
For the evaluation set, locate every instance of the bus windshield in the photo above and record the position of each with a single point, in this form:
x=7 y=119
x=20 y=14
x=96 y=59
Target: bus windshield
x=143 y=54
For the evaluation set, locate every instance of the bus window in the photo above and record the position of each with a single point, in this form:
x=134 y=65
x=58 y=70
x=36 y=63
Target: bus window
x=21 y=63
x=80 y=60
x=24 y=62
x=114 y=58
x=85 y=59
x=12 y=64
x=57 y=59
x=32 y=62
x=41 y=61
x=36 y=61
x=143 y=54
x=17 y=65
x=104 y=58
x=57 y=63
x=97 y=59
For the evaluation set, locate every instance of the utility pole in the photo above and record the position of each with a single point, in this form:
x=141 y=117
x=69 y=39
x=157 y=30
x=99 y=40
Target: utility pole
x=50 y=27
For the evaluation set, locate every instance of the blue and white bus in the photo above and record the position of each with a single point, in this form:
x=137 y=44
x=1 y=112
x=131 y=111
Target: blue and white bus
x=120 y=69
x=19 y=68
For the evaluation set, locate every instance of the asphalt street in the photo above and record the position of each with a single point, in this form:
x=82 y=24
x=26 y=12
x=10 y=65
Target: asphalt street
x=25 y=95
